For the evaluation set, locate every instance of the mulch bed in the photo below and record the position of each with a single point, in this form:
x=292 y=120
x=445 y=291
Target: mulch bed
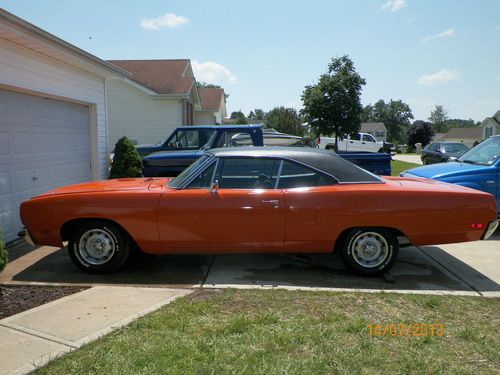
x=15 y=299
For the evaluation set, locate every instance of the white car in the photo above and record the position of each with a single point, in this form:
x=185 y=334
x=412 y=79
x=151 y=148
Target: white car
x=359 y=142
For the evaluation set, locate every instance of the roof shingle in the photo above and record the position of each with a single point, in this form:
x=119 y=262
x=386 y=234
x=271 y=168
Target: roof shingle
x=210 y=99
x=160 y=76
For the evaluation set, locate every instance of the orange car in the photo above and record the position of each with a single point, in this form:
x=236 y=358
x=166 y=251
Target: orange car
x=258 y=200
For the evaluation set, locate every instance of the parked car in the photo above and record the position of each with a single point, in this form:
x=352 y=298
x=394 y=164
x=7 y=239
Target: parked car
x=440 y=152
x=358 y=142
x=258 y=199
x=171 y=163
x=479 y=168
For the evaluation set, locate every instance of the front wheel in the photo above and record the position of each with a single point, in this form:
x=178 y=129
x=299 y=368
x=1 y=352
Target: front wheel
x=369 y=251
x=99 y=247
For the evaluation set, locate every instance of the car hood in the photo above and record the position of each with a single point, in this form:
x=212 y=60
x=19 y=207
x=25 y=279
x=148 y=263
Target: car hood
x=120 y=184
x=182 y=154
x=443 y=170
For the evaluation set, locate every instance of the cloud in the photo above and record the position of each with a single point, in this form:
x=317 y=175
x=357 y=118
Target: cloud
x=443 y=76
x=211 y=72
x=445 y=34
x=169 y=20
x=393 y=5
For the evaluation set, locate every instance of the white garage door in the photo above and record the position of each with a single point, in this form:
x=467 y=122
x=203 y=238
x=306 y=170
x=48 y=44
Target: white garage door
x=44 y=143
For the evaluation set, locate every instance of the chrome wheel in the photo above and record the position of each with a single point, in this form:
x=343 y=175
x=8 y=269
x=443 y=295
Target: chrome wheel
x=96 y=246
x=369 y=249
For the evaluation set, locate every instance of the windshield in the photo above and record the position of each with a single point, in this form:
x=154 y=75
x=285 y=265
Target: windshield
x=176 y=182
x=455 y=147
x=188 y=138
x=485 y=153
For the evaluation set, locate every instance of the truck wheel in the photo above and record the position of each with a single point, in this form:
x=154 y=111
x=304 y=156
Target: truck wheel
x=369 y=251
x=99 y=247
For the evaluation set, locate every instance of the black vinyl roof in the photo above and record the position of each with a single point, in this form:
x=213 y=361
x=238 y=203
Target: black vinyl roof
x=323 y=160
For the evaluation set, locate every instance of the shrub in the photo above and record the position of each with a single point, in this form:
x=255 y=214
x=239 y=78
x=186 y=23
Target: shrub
x=3 y=253
x=126 y=162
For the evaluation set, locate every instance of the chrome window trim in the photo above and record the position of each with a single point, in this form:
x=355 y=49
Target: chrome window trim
x=278 y=174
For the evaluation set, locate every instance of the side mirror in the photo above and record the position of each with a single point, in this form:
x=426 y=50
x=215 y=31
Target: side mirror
x=214 y=187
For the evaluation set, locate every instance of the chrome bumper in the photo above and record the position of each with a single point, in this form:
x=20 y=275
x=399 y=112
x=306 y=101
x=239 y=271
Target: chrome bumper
x=492 y=227
x=26 y=236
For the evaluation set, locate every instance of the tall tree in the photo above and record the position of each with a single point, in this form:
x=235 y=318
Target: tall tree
x=239 y=117
x=419 y=132
x=257 y=114
x=438 y=118
x=333 y=105
x=395 y=114
x=285 y=120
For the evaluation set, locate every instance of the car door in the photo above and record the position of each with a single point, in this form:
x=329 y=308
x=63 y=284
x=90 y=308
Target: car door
x=354 y=143
x=245 y=213
x=309 y=208
x=369 y=143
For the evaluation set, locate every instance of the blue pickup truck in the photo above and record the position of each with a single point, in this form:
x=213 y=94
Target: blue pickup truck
x=184 y=146
x=478 y=168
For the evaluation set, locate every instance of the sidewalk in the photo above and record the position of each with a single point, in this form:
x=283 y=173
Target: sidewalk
x=30 y=339
x=409 y=158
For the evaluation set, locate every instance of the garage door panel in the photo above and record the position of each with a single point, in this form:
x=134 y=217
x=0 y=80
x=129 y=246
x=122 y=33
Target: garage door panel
x=44 y=144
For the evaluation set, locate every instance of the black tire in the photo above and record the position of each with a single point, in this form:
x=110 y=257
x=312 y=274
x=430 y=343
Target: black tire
x=382 y=150
x=382 y=241
x=424 y=161
x=108 y=242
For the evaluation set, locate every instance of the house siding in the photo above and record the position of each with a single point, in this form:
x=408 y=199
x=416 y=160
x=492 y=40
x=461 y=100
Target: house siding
x=137 y=115
x=204 y=118
x=31 y=72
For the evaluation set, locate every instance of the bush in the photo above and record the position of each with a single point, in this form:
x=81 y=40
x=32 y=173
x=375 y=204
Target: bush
x=3 y=253
x=126 y=162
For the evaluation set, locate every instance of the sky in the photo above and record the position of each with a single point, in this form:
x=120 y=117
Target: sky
x=424 y=52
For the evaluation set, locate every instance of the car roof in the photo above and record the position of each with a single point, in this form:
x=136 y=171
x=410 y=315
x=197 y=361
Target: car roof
x=324 y=160
x=256 y=126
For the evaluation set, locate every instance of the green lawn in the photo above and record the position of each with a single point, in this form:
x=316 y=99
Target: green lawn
x=294 y=332
x=398 y=166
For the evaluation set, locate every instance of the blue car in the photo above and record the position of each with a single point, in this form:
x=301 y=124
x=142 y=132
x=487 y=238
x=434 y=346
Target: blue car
x=479 y=169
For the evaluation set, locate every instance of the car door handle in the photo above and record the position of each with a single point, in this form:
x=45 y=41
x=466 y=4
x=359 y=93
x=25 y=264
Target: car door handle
x=274 y=202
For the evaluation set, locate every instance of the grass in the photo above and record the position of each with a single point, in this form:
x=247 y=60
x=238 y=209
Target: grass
x=398 y=166
x=295 y=332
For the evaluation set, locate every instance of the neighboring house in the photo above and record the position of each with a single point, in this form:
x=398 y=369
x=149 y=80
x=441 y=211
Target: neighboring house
x=158 y=96
x=437 y=137
x=213 y=107
x=52 y=116
x=377 y=129
x=468 y=136
x=491 y=125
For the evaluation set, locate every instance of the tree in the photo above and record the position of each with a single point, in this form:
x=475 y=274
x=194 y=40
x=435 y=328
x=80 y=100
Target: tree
x=204 y=85
x=257 y=114
x=3 y=253
x=395 y=115
x=419 y=132
x=239 y=117
x=333 y=106
x=126 y=161
x=285 y=120
x=438 y=118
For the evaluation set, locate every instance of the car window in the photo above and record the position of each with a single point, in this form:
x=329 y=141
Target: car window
x=432 y=147
x=356 y=137
x=368 y=138
x=455 y=147
x=294 y=175
x=184 y=175
x=204 y=178
x=235 y=138
x=247 y=173
x=189 y=139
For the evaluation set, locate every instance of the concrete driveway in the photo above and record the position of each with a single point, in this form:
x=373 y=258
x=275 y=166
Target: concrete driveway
x=468 y=268
x=409 y=158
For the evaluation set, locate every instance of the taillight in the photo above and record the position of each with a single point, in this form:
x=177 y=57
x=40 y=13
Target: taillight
x=476 y=226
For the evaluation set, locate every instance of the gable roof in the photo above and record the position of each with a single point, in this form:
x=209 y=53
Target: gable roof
x=471 y=133
x=372 y=126
x=167 y=77
x=211 y=99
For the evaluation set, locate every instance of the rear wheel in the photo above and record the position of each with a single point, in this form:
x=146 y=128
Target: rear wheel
x=369 y=251
x=99 y=247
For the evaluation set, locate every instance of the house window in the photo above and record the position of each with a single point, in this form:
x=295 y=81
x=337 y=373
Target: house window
x=379 y=134
x=488 y=133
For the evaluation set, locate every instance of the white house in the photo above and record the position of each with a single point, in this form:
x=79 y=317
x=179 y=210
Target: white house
x=158 y=96
x=377 y=129
x=491 y=125
x=52 y=115
x=213 y=107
